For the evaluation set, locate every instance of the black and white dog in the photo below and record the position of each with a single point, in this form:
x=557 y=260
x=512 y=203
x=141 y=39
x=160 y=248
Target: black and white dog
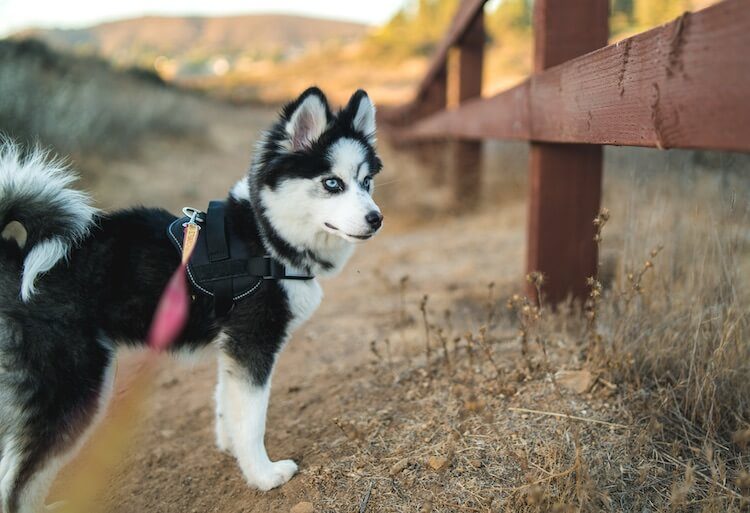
x=76 y=283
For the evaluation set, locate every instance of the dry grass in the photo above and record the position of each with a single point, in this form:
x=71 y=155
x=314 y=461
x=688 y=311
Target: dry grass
x=83 y=106
x=484 y=421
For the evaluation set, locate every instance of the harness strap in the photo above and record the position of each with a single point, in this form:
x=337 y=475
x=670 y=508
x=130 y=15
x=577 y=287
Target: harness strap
x=218 y=250
x=216 y=236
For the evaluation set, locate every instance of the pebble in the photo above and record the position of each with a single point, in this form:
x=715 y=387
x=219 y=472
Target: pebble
x=437 y=462
x=399 y=466
x=303 y=507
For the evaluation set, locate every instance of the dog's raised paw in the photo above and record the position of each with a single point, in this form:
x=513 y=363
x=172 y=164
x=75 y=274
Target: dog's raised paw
x=272 y=475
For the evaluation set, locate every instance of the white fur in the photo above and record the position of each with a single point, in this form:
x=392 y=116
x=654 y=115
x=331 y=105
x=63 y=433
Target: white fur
x=46 y=180
x=244 y=407
x=307 y=123
x=41 y=259
x=240 y=190
x=304 y=298
x=347 y=211
x=223 y=440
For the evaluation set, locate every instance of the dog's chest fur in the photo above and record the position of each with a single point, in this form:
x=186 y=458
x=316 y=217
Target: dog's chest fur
x=304 y=298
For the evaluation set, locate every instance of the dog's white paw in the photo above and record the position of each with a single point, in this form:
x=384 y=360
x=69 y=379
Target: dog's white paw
x=273 y=474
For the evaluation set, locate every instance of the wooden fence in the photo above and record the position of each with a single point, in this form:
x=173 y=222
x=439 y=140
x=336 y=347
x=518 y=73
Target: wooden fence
x=685 y=84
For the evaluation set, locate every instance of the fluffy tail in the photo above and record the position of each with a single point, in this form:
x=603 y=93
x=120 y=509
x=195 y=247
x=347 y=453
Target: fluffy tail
x=38 y=211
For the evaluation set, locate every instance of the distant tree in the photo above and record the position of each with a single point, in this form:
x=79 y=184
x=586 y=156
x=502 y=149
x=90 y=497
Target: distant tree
x=622 y=15
x=510 y=16
x=650 y=13
x=415 y=29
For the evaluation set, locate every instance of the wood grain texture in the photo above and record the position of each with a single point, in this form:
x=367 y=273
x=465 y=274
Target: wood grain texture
x=682 y=85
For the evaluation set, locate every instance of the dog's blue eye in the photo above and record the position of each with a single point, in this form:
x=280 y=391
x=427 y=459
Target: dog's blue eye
x=366 y=182
x=333 y=185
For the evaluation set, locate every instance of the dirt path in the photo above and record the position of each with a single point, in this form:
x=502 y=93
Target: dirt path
x=173 y=466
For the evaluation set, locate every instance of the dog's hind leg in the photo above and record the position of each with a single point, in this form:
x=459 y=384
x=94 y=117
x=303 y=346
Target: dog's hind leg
x=27 y=479
x=35 y=450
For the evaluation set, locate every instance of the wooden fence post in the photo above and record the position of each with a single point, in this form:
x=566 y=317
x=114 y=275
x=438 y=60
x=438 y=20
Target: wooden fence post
x=565 y=179
x=433 y=98
x=464 y=83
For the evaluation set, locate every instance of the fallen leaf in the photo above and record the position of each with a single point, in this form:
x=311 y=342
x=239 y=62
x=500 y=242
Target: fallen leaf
x=578 y=381
x=437 y=462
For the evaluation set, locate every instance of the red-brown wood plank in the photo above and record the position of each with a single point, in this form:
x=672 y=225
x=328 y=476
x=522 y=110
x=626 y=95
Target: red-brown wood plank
x=505 y=116
x=682 y=85
x=564 y=180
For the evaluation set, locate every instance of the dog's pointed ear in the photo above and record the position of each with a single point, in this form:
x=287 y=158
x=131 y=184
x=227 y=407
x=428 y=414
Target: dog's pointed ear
x=307 y=118
x=362 y=112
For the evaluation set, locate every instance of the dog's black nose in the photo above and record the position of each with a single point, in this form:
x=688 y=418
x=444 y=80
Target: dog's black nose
x=374 y=219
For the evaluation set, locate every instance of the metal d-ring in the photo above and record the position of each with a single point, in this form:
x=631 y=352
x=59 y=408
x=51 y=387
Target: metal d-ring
x=194 y=214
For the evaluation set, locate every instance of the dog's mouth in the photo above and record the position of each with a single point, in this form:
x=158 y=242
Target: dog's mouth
x=358 y=237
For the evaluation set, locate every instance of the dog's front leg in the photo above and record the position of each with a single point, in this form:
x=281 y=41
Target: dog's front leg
x=223 y=434
x=243 y=413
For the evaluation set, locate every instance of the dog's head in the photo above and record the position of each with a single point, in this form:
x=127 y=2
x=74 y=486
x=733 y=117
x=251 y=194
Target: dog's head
x=313 y=176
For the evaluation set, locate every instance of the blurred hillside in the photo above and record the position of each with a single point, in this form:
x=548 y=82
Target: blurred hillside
x=82 y=105
x=185 y=46
x=272 y=58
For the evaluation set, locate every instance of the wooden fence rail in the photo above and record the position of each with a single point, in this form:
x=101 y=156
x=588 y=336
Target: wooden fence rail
x=685 y=84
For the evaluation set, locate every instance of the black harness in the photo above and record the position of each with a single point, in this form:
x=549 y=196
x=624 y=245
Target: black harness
x=220 y=266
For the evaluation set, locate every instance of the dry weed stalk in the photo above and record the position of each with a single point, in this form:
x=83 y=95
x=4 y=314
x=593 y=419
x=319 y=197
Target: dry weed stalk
x=529 y=315
x=403 y=318
x=491 y=311
x=444 y=344
x=488 y=351
x=427 y=347
x=591 y=306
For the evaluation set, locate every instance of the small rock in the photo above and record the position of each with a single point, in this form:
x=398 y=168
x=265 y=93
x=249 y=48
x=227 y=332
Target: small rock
x=475 y=463
x=578 y=381
x=399 y=467
x=302 y=507
x=437 y=462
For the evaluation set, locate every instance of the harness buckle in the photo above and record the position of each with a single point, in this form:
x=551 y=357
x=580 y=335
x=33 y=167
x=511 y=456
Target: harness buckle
x=194 y=216
x=276 y=269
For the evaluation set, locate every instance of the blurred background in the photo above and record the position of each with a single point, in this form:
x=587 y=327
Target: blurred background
x=160 y=104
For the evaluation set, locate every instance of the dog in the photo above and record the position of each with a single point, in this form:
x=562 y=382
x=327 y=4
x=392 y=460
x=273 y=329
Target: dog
x=76 y=284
